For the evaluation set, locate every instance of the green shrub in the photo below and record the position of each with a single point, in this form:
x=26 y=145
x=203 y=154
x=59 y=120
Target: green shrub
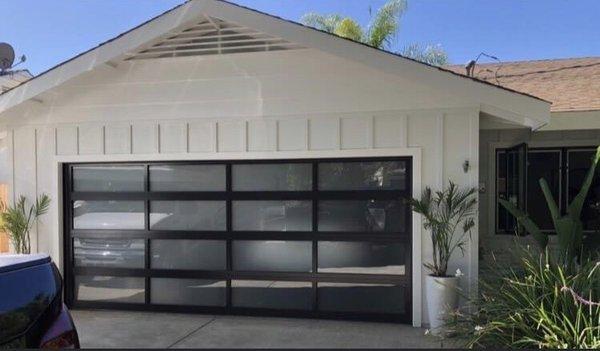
x=17 y=221
x=449 y=215
x=538 y=304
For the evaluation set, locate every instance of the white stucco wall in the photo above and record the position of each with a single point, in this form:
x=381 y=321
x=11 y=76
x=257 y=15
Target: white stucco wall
x=295 y=104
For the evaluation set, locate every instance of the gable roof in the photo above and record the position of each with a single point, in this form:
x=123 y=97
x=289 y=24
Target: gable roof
x=443 y=69
x=163 y=26
x=570 y=84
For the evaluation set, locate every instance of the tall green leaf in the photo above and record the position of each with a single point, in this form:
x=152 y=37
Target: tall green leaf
x=552 y=207
x=527 y=223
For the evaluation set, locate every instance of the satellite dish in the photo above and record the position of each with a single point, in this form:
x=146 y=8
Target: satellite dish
x=7 y=56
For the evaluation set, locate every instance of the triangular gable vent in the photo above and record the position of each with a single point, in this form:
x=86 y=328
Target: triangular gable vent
x=212 y=36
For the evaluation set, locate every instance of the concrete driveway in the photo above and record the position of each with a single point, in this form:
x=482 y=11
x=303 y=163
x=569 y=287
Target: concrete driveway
x=112 y=329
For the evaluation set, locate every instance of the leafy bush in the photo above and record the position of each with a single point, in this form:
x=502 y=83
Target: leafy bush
x=546 y=301
x=539 y=304
x=445 y=214
x=18 y=220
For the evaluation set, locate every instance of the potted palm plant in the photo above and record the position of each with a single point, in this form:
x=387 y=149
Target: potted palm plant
x=17 y=220
x=449 y=216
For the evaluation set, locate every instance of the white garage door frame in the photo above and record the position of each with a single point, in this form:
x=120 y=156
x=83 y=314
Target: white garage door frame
x=414 y=152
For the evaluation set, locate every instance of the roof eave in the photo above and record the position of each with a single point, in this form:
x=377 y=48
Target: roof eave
x=103 y=53
x=522 y=105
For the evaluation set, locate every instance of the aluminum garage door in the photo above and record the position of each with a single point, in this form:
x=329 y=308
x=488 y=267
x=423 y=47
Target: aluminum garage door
x=317 y=238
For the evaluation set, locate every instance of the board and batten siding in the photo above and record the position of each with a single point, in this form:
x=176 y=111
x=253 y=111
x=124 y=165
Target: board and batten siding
x=287 y=104
x=445 y=139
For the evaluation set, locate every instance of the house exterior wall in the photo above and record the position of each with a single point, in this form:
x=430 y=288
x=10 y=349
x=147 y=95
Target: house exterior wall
x=502 y=245
x=293 y=105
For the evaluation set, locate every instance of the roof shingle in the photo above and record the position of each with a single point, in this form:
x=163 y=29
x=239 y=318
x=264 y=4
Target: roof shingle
x=570 y=84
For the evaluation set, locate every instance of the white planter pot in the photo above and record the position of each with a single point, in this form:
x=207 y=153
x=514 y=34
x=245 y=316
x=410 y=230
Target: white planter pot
x=441 y=294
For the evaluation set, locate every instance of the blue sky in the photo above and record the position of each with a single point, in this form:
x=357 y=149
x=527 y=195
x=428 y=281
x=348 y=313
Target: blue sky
x=49 y=32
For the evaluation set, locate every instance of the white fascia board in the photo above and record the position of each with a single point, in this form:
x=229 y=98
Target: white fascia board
x=520 y=105
x=111 y=50
x=573 y=120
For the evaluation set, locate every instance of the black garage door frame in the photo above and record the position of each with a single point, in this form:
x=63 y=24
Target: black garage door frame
x=314 y=277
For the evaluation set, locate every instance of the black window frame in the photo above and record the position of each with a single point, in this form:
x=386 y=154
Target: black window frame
x=314 y=277
x=563 y=199
x=515 y=180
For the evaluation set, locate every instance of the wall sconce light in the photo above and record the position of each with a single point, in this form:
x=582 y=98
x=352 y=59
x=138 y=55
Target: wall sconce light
x=466 y=166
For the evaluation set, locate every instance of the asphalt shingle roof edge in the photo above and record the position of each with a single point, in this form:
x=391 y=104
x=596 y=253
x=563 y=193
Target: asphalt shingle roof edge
x=572 y=84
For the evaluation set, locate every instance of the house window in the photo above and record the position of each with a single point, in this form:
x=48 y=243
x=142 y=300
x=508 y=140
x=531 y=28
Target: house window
x=579 y=161
x=564 y=170
x=512 y=184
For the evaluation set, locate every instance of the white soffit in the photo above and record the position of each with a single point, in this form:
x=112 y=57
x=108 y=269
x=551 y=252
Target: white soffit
x=213 y=36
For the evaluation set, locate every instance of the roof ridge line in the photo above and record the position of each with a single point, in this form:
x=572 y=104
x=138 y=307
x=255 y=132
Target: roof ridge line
x=532 y=61
x=546 y=71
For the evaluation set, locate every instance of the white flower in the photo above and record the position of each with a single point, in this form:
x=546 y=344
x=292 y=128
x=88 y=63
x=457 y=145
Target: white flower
x=547 y=266
x=426 y=331
x=458 y=273
x=478 y=328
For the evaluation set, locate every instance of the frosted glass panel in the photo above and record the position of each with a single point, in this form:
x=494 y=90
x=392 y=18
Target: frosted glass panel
x=109 y=289
x=362 y=216
x=272 y=294
x=280 y=256
x=272 y=215
x=363 y=298
x=188 y=215
x=362 y=257
x=108 y=214
x=108 y=178
x=272 y=177
x=187 y=178
x=193 y=292
x=113 y=253
x=188 y=254
x=389 y=175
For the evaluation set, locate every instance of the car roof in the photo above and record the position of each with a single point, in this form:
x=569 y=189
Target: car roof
x=10 y=263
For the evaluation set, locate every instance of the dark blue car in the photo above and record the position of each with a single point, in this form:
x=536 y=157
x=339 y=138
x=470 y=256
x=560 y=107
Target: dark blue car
x=32 y=314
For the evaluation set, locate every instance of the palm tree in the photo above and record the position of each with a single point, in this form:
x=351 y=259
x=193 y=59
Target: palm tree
x=380 y=33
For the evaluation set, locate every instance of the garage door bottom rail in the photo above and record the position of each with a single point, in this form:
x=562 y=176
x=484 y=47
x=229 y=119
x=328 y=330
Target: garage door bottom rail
x=254 y=312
